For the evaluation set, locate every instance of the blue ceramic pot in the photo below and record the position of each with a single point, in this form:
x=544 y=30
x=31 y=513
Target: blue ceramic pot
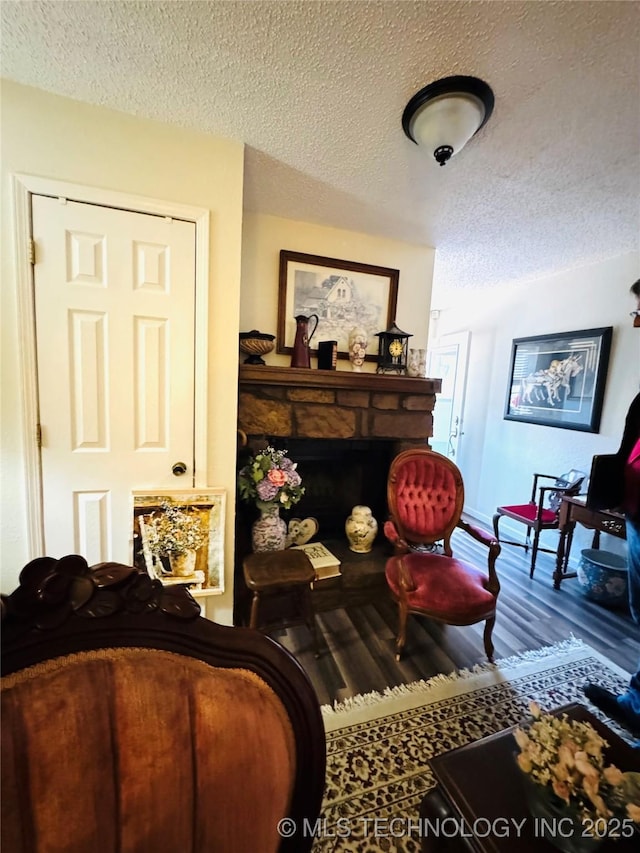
x=603 y=577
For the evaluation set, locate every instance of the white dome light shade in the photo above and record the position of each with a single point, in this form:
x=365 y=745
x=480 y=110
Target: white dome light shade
x=444 y=116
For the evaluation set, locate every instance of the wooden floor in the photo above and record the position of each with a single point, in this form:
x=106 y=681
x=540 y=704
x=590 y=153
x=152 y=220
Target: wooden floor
x=357 y=642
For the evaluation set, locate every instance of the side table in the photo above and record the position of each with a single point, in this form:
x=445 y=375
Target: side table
x=573 y=510
x=272 y=572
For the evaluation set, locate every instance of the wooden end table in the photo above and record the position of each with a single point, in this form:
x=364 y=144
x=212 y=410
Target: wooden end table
x=573 y=510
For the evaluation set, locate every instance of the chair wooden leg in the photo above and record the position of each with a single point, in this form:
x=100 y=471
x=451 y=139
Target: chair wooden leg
x=253 y=619
x=402 y=630
x=306 y=605
x=527 y=541
x=496 y=519
x=488 y=642
x=534 y=553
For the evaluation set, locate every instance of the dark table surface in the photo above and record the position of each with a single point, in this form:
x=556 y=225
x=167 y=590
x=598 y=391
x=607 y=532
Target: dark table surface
x=480 y=786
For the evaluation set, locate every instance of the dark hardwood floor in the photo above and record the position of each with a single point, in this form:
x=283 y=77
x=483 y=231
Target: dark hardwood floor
x=357 y=635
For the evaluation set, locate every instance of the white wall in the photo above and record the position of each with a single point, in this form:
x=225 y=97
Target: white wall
x=58 y=138
x=498 y=457
x=264 y=236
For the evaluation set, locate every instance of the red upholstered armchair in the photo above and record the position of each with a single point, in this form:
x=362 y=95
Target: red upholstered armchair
x=425 y=494
x=542 y=511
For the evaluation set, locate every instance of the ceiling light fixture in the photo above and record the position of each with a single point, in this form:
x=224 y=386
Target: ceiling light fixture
x=444 y=115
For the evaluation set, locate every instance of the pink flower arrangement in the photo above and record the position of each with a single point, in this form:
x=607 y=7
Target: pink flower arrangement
x=271 y=476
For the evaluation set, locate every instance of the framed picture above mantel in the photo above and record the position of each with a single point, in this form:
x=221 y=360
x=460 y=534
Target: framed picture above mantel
x=558 y=379
x=343 y=295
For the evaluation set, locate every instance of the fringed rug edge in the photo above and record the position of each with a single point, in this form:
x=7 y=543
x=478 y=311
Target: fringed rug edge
x=460 y=681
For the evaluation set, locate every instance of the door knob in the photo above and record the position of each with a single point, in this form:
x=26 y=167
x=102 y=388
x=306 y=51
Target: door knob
x=179 y=468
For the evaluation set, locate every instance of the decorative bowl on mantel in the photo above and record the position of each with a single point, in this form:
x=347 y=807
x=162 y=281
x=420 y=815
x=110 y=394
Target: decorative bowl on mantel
x=255 y=344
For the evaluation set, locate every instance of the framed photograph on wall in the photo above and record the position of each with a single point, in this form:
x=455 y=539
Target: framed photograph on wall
x=342 y=294
x=178 y=536
x=558 y=380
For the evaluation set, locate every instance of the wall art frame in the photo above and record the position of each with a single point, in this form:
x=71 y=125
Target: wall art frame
x=558 y=379
x=343 y=294
x=209 y=506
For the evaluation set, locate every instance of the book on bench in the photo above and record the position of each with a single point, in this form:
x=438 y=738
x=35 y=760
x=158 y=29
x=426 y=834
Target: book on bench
x=325 y=564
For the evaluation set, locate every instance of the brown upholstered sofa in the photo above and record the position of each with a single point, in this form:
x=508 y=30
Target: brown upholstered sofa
x=130 y=723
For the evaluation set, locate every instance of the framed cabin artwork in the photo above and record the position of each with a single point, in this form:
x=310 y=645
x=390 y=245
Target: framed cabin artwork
x=343 y=295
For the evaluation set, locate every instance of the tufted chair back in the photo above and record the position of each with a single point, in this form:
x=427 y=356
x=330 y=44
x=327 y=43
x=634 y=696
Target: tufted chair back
x=132 y=724
x=425 y=494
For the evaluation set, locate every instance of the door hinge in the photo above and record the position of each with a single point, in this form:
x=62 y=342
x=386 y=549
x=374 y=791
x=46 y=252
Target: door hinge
x=39 y=435
x=32 y=251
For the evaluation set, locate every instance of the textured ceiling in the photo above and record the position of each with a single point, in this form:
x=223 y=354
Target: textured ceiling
x=316 y=90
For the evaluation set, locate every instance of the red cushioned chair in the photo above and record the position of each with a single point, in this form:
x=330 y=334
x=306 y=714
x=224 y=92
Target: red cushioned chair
x=542 y=512
x=426 y=495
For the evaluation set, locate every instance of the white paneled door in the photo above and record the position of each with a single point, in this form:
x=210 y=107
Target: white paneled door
x=448 y=360
x=114 y=307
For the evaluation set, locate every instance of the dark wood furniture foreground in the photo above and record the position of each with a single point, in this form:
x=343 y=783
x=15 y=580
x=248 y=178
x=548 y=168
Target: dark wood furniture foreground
x=573 y=510
x=131 y=723
x=481 y=782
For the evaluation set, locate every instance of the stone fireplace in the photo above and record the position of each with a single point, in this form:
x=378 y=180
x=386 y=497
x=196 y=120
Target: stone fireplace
x=342 y=428
x=329 y=404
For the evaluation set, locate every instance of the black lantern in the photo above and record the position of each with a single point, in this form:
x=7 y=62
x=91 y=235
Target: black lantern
x=392 y=350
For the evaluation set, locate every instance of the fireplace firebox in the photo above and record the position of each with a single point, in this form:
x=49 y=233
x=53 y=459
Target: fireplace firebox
x=343 y=429
x=338 y=474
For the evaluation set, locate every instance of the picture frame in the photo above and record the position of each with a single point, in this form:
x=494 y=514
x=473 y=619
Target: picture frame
x=342 y=294
x=558 y=379
x=207 y=506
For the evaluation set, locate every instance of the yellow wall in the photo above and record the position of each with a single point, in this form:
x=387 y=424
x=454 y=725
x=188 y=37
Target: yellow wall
x=58 y=138
x=264 y=237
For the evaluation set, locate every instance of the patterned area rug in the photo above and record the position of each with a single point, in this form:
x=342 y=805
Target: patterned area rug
x=378 y=744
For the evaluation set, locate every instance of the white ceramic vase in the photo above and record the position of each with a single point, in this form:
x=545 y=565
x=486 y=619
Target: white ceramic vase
x=358 y=340
x=417 y=364
x=361 y=529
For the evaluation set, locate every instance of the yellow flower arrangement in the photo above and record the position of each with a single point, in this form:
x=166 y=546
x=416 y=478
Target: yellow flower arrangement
x=567 y=757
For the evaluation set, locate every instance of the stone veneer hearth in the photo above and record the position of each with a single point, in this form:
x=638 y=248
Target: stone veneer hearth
x=335 y=404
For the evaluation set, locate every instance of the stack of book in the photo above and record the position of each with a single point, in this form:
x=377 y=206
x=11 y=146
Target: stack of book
x=325 y=564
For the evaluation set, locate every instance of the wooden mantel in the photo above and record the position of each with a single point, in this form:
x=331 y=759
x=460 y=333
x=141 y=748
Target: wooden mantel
x=311 y=378
x=309 y=403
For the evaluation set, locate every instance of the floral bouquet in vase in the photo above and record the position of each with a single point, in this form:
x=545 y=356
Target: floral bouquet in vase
x=569 y=784
x=270 y=479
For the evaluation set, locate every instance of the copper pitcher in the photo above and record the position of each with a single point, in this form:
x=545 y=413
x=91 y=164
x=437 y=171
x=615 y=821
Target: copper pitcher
x=301 y=355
